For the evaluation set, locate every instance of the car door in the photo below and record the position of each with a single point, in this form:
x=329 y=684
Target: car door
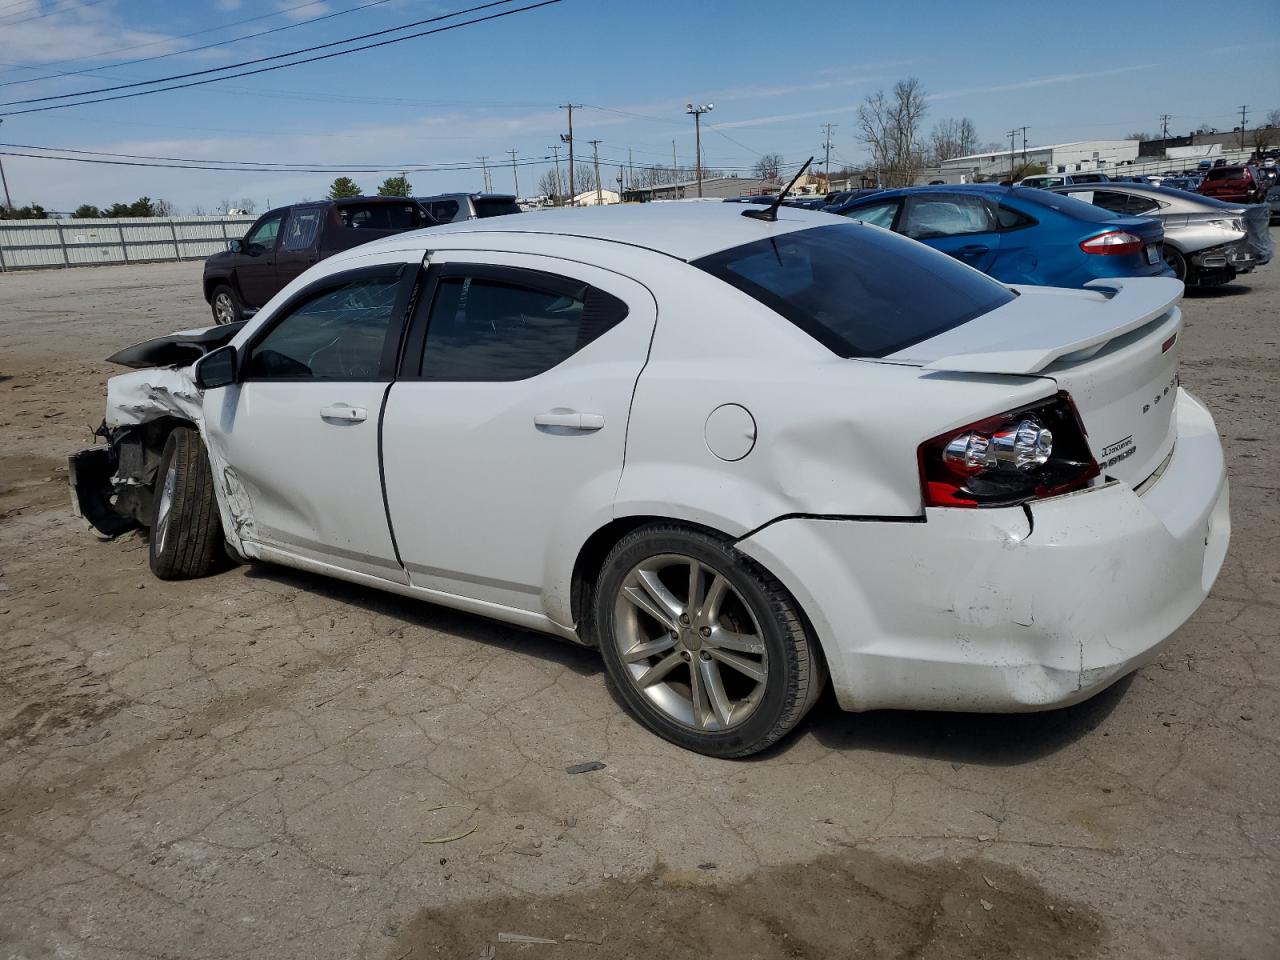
x=299 y=242
x=503 y=438
x=960 y=224
x=300 y=428
x=256 y=269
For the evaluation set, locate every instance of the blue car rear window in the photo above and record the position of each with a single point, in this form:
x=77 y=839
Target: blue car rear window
x=1068 y=206
x=859 y=291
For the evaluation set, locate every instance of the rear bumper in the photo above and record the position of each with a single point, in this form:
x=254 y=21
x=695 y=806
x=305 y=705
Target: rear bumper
x=1008 y=610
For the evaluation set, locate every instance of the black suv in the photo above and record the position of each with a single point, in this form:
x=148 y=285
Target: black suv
x=285 y=241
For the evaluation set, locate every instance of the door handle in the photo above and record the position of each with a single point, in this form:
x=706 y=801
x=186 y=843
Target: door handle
x=344 y=413
x=569 y=420
x=974 y=250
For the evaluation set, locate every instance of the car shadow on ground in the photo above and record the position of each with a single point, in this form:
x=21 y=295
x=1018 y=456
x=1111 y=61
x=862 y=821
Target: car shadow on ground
x=432 y=616
x=985 y=739
x=1217 y=293
x=972 y=738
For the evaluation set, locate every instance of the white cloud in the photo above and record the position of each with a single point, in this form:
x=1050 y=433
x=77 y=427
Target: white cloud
x=228 y=5
x=1040 y=82
x=77 y=32
x=305 y=12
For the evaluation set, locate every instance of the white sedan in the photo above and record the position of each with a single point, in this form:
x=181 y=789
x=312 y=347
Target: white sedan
x=740 y=457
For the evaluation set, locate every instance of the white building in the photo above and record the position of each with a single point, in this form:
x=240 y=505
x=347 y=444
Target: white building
x=591 y=198
x=1073 y=157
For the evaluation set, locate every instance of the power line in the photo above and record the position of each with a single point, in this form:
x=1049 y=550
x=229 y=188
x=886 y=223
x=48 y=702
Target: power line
x=54 y=74
x=279 y=56
x=40 y=16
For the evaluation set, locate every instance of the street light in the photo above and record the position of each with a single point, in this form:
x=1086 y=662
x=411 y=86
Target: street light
x=697 y=112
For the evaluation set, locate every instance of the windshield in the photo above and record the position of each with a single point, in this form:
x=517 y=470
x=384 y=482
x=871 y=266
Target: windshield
x=859 y=291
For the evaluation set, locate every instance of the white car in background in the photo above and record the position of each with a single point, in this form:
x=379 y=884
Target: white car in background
x=737 y=455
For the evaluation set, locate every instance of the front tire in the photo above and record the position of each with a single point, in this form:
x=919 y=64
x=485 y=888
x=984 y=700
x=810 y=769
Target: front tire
x=225 y=305
x=185 y=529
x=703 y=646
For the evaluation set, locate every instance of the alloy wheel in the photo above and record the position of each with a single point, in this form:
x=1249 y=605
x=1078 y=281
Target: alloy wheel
x=224 y=311
x=690 y=643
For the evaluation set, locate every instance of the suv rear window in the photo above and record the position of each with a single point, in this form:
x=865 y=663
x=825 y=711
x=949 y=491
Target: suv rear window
x=1227 y=173
x=495 y=206
x=859 y=291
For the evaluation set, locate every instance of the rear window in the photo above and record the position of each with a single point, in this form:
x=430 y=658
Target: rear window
x=1227 y=173
x=495 y=206
x=1068 y=206
x=860 y=292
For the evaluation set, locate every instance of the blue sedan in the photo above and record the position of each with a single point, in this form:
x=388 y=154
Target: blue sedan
x=1019 y=234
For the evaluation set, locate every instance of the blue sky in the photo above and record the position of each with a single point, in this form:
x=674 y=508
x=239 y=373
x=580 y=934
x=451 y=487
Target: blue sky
x=775 y=73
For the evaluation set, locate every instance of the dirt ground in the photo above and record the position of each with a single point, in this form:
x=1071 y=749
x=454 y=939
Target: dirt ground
x=266 y=764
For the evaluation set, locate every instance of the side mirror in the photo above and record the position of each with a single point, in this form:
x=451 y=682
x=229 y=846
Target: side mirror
x=217 y=368
x=234 y=246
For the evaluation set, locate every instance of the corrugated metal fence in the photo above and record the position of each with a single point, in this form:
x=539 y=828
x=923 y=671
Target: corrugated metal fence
x=32 y=244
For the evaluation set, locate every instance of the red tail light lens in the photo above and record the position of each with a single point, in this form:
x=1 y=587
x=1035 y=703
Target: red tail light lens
x=1030 y=453
x=1113 y=243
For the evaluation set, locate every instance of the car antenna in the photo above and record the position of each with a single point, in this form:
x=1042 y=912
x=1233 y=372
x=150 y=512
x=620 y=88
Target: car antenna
x=770 y=212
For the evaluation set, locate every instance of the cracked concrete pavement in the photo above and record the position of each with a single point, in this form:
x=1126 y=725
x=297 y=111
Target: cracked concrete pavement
x=251 y=765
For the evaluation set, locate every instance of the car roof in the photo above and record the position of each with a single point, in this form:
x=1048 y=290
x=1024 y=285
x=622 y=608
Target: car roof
x=685 y=230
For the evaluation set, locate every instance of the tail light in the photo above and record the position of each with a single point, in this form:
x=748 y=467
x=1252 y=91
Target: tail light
x=1113 y=243
x=1034 y=452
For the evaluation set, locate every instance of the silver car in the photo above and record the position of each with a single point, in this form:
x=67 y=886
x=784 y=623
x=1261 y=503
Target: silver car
x=1207 y=242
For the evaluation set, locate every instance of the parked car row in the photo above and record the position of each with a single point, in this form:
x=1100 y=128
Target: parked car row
x=650 y=430
x=285 y=241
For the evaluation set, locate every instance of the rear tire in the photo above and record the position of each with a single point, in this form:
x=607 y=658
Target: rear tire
x=186 y=532
x=225 y=305
x=725 y=673
x=1177 y=263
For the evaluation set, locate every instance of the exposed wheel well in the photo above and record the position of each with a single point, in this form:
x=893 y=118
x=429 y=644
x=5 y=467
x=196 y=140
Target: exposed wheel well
x=136 y=452
x=212 y=283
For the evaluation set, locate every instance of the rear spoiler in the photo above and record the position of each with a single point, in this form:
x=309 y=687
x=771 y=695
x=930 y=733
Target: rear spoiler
x=1126 y=304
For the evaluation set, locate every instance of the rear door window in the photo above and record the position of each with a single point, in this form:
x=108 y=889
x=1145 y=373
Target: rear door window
x=300 y=232
x=495 y=206
x=445 y=211
x=859 y=292
x=490 y=324
x=945 y=215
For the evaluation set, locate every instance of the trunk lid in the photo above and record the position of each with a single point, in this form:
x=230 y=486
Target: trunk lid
x=1113 y=347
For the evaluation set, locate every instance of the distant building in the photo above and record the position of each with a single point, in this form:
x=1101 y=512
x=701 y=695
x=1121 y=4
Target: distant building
x=1074 y=157
x=718 y=187
x=591 y=198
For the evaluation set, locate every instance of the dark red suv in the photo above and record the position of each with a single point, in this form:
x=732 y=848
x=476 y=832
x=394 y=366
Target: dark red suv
x=1239 y=184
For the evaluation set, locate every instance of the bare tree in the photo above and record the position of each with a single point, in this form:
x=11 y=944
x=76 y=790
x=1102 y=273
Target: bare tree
x=584 y=178
x=1262 y=139
x=163 y=208
x=890 y=126
x=1141 y=135
x=247 y=204
x=549 y=185
x=1273 y=118
x=952 y=138
x=199 y=210
x=768 y=167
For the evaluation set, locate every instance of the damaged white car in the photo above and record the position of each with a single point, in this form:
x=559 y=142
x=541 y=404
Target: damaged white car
x=738 y=453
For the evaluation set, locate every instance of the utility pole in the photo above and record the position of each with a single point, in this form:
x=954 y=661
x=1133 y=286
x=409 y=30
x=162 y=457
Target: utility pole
x=1244 y=112
x=631 y=171
x=7 y=201
x=595 y=153
x=1164 y=128
x=559 y=179
x=1024 y=144
x=1012 y=134
x=697 y=112
x=515 y=176
x=568 y=138
x=675 y=176
x=484 y=165
x=827 y=144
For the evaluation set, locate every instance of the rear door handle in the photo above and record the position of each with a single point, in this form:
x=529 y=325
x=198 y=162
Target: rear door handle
x=570 y=420
x=974 y=250
x=344 y=413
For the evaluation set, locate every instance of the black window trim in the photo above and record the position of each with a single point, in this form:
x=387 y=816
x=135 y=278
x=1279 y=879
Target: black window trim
x=404 y=272
x=414 y=354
